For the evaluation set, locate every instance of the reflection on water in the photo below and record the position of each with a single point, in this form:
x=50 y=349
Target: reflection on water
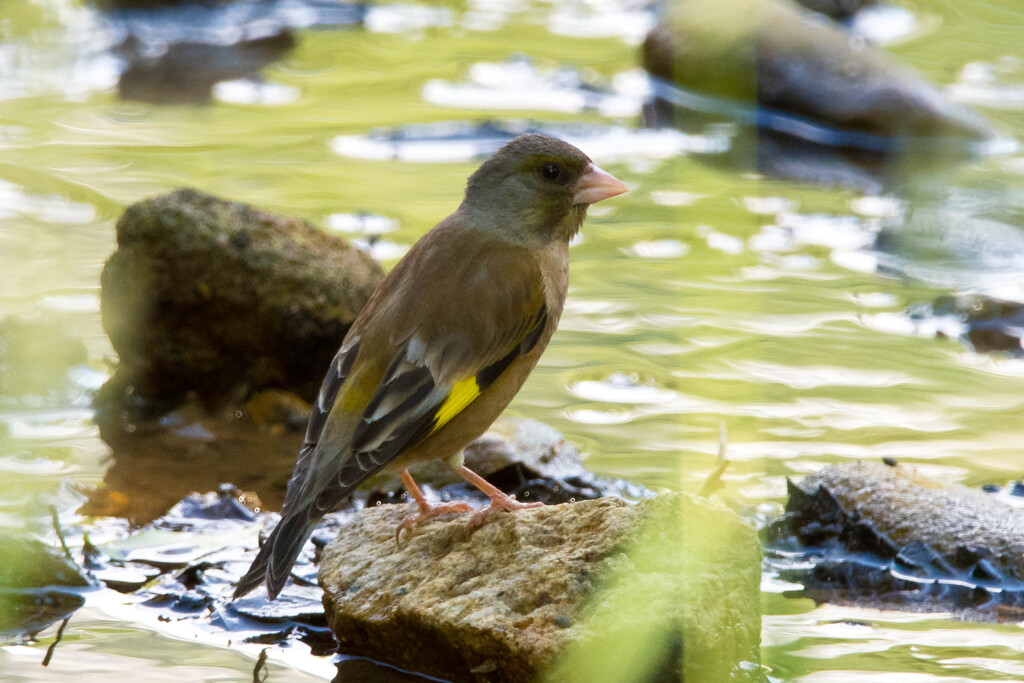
x=725 y=288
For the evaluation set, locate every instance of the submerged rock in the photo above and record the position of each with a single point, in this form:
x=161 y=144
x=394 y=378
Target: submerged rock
x=874 y=533
x=34 y=583
x=207 y=296
x=186 y=73
x=771 y=53
x=989 y=325
x=156 y=461
x=672 y=581
x=176 y=51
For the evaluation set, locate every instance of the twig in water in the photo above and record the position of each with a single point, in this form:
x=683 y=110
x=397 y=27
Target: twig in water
x=53 y=645
x=60 y=533
x=259 y=672
x=714 y=480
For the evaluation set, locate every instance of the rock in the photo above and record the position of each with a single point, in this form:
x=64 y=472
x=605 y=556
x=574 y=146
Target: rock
x=579 y=581
x=539 y=449
x=909 y=507
x=30 y=564
x=525 y=458
x=186 y=73
x=177 y=51
x=787 y=157
x=989 y=325
x=36 y=355
x=884 y=536
x=771 y=53
x=34 y=582
x=207 y=296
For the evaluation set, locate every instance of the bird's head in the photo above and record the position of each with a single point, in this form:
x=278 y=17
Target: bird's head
x=536 y=190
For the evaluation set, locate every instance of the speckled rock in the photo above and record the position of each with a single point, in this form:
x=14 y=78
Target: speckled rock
x=908 y=507
x=206 y=296
x=775 y=54
x=531 y=593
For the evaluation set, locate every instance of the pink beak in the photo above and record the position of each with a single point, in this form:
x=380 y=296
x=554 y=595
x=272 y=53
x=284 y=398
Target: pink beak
x=596 y=185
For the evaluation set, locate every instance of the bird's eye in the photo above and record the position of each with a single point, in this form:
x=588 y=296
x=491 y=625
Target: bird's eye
x=550 y=171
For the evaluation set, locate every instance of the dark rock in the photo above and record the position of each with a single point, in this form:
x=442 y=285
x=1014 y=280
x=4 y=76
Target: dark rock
x=518 y=594
x=205 y=295
x=538 y=449
x=957 y=521
x=990 y=325
x=529 y=459
x=27 y=612
x=870 y=533
x=186 y=72
x=770 y=53
x=175 y=51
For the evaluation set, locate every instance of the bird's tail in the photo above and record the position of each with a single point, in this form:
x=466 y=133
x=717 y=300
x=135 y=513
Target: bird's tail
x=276 y=557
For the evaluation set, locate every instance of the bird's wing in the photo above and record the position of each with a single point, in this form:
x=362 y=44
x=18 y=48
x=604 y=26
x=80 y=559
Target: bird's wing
x=369 y=413
x=336 y=375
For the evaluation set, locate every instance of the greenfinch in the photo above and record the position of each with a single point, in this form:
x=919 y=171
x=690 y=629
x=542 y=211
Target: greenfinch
x=444 y=343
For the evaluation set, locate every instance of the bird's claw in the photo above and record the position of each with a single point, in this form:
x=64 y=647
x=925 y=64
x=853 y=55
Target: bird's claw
x=503 y=504
x=426 y=512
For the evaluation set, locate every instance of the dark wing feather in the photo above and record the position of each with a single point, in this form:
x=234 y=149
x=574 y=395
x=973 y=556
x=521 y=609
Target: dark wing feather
x=379 y=438
x=336 y=375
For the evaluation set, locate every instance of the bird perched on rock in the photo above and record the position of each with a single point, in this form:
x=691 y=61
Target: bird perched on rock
x=444 y=343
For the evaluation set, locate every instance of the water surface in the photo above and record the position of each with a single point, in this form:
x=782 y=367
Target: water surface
x=709 y=295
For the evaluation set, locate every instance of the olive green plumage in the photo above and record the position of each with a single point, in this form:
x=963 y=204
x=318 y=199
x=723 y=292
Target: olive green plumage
x=447 y=339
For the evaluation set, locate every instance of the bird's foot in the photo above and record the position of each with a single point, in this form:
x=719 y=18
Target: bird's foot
x=425 y=512
x=499 y=503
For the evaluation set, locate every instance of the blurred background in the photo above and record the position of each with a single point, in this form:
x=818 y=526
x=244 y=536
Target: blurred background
x=821 y=287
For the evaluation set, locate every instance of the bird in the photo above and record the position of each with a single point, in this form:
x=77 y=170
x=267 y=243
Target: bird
x=443 y=344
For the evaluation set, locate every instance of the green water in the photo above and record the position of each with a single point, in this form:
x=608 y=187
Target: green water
x=682 y=315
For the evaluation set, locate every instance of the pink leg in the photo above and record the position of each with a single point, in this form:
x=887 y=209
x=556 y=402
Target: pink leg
x=499 y=501
x=426 y=510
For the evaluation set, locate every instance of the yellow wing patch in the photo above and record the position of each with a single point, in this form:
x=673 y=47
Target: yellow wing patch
x=462 y=394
